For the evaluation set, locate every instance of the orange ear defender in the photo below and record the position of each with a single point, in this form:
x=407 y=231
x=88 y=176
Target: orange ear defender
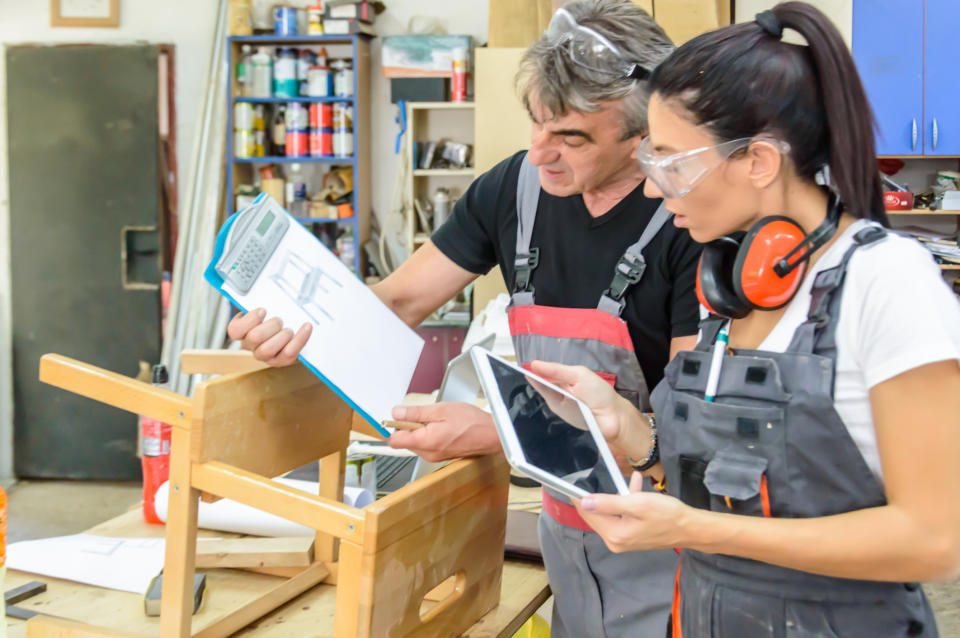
x=762 y=268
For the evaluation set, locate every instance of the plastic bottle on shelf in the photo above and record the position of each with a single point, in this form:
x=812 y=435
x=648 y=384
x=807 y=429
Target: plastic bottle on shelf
x=304 y=61
x=285 y=73
x=261 y=73
x=315 y=19
x=346 y=247
x=296 y=191
x=279 y=132
x=245 y=71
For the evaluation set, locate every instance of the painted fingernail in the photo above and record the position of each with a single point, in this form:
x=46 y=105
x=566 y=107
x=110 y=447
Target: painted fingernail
x=588 y=503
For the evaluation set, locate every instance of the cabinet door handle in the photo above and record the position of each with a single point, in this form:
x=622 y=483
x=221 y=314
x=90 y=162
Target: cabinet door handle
x=936 y=133
x=913 y=137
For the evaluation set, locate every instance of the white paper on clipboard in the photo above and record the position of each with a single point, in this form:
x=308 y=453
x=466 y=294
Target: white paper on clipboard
x=361 y=348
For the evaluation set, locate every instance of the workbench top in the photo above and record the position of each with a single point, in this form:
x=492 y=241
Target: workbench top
x=523 y=590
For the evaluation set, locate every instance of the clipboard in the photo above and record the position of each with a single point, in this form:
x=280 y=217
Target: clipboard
x=358 y=347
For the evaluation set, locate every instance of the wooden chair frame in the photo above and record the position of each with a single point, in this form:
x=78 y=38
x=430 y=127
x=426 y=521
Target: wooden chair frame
x=254 y=423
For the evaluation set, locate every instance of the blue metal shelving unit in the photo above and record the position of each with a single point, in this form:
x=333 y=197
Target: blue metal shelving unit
x=359 y=160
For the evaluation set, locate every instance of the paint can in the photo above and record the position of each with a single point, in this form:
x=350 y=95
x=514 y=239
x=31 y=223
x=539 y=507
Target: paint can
x=296 y=145
x=318 y=81
x=296 y=116
x=242 y=116
x=284 y=20
x=243 y=143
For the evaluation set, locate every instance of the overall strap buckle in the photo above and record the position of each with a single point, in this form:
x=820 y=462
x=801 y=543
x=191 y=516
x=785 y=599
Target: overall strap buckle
x=523 y=265
x=629 y=271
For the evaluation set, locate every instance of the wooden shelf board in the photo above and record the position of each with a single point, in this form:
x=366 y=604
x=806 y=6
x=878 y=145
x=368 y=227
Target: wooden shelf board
x=328 y=159
x=416 y=106
x=448 y=172
x=284 y=100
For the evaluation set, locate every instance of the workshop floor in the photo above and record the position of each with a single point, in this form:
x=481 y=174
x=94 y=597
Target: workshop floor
x=37 y=509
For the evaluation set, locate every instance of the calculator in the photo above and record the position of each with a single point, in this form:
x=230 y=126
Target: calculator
x=251 y=241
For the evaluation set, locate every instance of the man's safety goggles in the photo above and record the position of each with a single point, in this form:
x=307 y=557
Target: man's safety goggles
x=676 y=175
x=589 y=49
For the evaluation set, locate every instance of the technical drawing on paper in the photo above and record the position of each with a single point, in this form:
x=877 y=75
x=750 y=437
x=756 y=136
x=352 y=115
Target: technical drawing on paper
x=306 y=285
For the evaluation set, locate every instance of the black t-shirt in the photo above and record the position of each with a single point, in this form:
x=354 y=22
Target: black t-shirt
x=578 y=254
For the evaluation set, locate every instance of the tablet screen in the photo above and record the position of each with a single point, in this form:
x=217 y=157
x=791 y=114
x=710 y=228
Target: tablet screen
x=552 y=430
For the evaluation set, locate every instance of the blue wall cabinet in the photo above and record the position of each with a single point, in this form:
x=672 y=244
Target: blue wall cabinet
x=888 y=49
x=904 y=50
x=941 y=86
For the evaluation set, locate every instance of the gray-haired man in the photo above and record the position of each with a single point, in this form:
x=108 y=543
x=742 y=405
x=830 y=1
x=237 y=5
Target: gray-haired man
x=576 y=268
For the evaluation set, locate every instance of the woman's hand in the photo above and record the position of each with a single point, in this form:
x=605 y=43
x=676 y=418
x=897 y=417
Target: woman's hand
x=642 y=520
x=621 y=423
x=600 y=397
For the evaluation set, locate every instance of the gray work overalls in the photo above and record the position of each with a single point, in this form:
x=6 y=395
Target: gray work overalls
x=596 y=593
x=772 y=444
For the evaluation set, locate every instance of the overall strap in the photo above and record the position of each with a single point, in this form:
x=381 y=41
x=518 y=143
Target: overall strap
x=709 y=329
x=526 y=260
x=817 y=335
x=630 y=267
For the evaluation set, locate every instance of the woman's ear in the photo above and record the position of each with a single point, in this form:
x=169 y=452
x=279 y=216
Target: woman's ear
x=765 y=162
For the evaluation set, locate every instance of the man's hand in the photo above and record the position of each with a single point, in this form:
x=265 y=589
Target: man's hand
x=451 y=430
x=269 y=341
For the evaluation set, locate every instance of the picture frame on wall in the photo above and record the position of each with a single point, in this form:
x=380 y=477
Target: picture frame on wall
x=85 y=13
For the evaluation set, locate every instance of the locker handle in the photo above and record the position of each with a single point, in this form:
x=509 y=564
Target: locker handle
x=913 y=137
x=936 y=133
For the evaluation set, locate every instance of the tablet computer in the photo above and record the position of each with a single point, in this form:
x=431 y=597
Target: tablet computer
x=547 y=433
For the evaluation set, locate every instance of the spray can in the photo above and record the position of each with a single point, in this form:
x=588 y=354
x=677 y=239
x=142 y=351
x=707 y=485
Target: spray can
x=155 y=453
x=458 y=87
x=441 y=207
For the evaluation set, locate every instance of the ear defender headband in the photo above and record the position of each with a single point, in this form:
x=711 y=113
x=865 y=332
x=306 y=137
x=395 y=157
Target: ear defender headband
x=762 y=268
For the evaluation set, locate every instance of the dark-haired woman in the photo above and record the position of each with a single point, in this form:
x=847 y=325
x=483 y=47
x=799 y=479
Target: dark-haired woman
x=810 y=466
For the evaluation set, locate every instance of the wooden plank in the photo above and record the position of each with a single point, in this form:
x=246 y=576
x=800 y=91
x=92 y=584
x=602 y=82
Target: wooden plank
x=256 y=552
x=363 y=132
x=330 y=484
x=50 y=627
x=290 y=572
x=361 y=425
x=115 y=389
x=276 y=597
x=466 y=542
x=176 y=600
x=411 y=507
x=523 y=590
x=269 y=421
x=323 y=514
x=218 y=362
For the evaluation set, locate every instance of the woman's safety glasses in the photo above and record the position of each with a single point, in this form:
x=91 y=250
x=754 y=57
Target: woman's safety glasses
x=589 y=49
x=676 y=175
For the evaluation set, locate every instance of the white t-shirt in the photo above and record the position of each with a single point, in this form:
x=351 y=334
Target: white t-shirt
x=896 y=314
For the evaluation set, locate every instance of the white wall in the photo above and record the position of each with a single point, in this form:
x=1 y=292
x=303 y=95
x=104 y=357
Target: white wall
x=189 y=25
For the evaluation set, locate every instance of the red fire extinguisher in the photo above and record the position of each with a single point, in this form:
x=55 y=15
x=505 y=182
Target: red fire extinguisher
x=155 y=453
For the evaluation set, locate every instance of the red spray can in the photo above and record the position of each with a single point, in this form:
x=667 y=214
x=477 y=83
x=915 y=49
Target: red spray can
x=155 y=452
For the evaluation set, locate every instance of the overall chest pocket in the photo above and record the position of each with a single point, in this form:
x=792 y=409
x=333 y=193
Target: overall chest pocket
x=737 y=483
x=728 y=457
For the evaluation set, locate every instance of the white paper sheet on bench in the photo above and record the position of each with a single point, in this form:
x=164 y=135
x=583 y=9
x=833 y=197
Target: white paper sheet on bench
x=126 y=564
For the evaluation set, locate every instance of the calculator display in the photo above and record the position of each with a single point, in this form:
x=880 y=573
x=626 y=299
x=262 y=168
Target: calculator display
x=265 y=224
